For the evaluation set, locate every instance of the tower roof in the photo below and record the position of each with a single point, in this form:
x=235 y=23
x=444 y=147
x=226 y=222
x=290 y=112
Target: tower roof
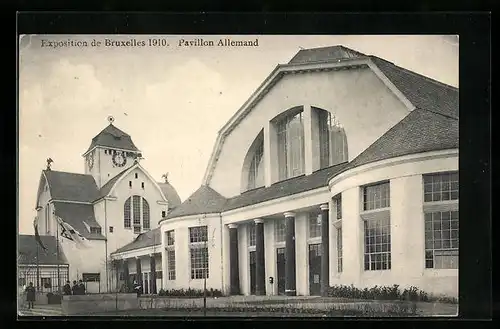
x=113 y=137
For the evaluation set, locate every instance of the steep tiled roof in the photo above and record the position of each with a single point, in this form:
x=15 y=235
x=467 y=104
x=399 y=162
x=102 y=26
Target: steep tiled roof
x=204 y=201
x=27 y=250
x=420 y=131
x=324 y=54
x=421 y=91
x=171 y=194
x=75 y=214
x=284 y=188
x=71 y=187
x=147 y=239
x=113 y=137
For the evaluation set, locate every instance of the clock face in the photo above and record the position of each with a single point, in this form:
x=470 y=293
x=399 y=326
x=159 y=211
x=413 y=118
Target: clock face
x=119 y=159
x=90 y=160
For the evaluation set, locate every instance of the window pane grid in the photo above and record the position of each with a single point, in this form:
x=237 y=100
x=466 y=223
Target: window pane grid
x=441 y=240
x=332 y=138
x=337 y=201
x=145 y=214
x=171 y=264
x=377 y=233
x=199 y=263
x=314 y=225
x=376 y=196
x=441 y=187
x=290 y=133
x=126 y=214
x=251 y=235
x=339 y=249
x=198 y=234
x=136 y=203
x=170 y=238
x=279 y=230
x=256 y=174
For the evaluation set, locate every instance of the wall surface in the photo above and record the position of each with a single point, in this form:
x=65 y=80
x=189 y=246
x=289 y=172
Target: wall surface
x=358 y=98
x=182 y=253
x=91 y=304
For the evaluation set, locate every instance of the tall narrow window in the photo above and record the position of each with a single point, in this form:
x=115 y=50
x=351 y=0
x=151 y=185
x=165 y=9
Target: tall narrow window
x=279 y=230
x=198 y=237
x=251 y=235
x=337 y=201
x=332 y=139
x=314 y=225
x=339 y=249
x=171 y=254
x=136 y=210
x=256 y=170
x=126 y=214
x=290 y=133
x=145 y=215
x=377 y=227
x=441 y=220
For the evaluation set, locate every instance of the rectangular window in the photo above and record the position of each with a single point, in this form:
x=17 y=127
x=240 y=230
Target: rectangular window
x=163 y=214
x=171 y=264
x=91 y=277
x=440 y=187
x=441 y=240
x=279 y=230
x=136 y=211
x=146 y=223
x=314 y=225
x=256 y=170
x=377 y=234
x=376 y=196
x=111 y=229
x=339 y=250
x=95 y=230
x=198 y=234
x=130 y=184
x=170 y=238
x=127 y=214
x=199 y=262
x=251 y=235
x=290 y=133
x=136 y=175
x=337 y=201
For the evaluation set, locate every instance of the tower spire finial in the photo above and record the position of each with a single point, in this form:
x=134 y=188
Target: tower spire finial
x=165 y=177
x=49 y=163
x=111 y=119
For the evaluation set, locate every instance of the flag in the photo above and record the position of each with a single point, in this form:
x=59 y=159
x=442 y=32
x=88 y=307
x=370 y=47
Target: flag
x=68 y=232
x=37 y=236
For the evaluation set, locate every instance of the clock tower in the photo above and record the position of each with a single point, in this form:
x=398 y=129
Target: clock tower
x=111 y=152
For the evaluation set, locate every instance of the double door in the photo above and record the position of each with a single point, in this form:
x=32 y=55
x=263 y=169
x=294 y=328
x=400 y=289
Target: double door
x=315 y=269
x=280 y=270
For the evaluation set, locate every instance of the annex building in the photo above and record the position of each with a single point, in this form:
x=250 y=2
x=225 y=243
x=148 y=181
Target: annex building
x=115 y=203
x=341 y=168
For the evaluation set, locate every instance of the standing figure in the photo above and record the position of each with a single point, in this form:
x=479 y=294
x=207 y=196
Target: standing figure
x=74 y=289
x=30 y=295
x=137 y=288
x=67 y=288
x=81 y=288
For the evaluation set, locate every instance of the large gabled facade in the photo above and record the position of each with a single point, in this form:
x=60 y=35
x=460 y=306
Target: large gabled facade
x=341 y=168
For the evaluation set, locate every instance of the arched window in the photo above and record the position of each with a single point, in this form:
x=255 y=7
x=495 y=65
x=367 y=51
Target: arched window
x=126 y=214
x=290 y=133
x=332 y=140
x=253 y=165
x=136 y=211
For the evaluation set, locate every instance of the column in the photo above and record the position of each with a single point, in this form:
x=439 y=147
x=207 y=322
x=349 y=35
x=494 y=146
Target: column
x=234 y=270
x=290 y=289
x=260 y=267
x=139 y=273
x=152 y=279
x=325 y=250
x=126 y=275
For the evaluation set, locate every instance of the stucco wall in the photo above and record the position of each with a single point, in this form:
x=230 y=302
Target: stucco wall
x=358 y=98
x=41 y=214
x=182 y=253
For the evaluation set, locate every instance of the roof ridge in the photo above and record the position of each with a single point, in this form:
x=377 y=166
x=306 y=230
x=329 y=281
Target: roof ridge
x=437 y=82
x=66 y=172
x=438 y=113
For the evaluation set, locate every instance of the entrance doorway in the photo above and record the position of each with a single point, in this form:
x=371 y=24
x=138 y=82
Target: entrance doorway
x=253 y=278
x=146 y=283
x=280 y=270
x=315 y=269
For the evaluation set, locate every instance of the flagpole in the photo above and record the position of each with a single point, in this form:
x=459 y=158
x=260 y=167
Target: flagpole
x=57 y=256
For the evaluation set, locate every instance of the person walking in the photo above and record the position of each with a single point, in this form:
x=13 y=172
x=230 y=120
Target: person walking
x=30 y=295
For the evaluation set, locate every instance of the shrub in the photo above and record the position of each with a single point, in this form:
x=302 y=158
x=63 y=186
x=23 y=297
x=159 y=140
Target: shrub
x=190 y=292
x=386 y=293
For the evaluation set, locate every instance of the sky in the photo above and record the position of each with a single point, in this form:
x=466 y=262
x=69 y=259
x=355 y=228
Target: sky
x=172 y=100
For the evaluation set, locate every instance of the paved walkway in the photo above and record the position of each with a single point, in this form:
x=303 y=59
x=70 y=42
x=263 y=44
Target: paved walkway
x=41 y=310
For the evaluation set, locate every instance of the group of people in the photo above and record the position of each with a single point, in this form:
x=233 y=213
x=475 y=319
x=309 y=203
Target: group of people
x=78 y=288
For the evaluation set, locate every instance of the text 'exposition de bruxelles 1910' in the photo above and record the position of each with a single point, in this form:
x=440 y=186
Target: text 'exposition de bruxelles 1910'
x=150 y=42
